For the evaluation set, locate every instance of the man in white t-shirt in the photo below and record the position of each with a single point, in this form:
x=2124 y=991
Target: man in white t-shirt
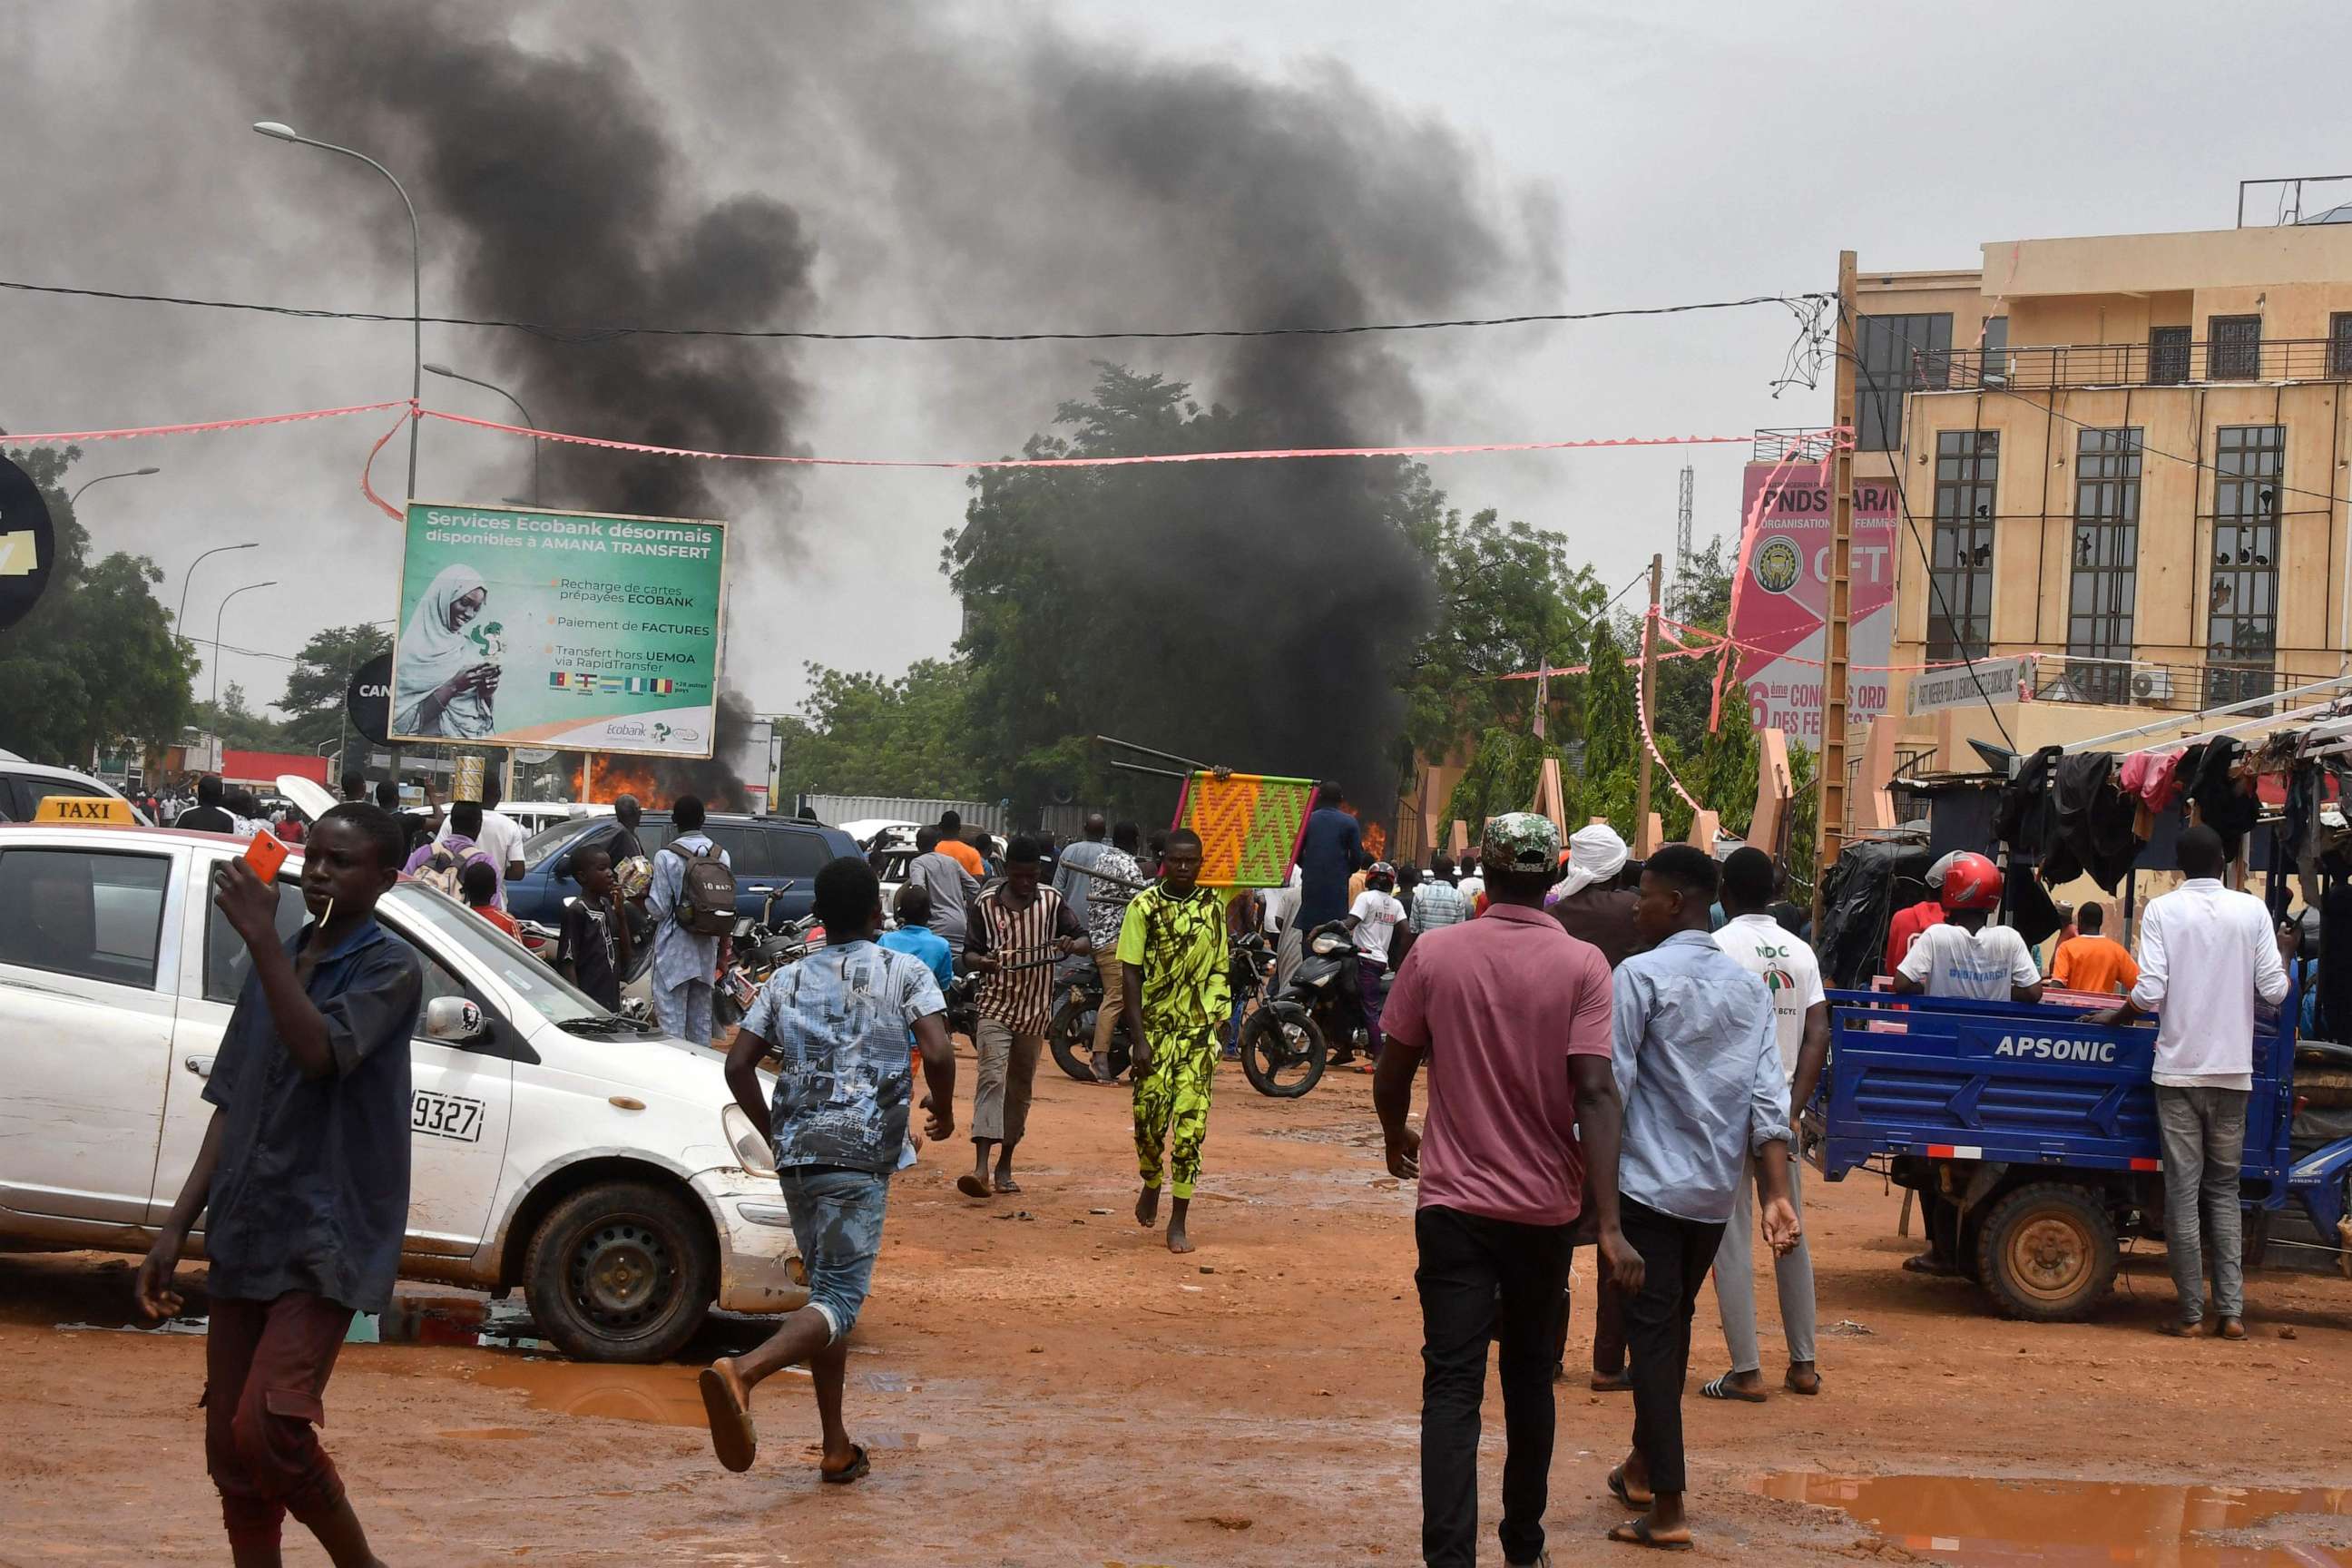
x=2206 y=954
x=1472 y=883
x=1964 y=957
x=1801 y=1019
x=501 y=838
x=1372 y=920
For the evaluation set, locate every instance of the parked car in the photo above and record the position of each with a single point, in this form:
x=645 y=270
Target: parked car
x=586 y=1159
x=24 y=786
x=767 y=851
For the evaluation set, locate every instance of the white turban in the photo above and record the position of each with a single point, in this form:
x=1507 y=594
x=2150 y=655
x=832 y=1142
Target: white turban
x=1595 y=855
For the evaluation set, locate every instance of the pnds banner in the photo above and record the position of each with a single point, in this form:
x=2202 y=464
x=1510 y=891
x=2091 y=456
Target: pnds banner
x=559 y=628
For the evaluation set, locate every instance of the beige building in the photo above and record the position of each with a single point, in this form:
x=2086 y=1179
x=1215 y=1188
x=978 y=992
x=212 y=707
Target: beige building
x=2125 y=454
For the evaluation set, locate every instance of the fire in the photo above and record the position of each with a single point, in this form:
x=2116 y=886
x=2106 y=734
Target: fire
x=609 y=778
x=1376 y=841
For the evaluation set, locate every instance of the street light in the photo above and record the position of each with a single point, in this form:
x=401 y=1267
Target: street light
x=181 y=619
x=510 y=397
x=284 y=132
x=233 y=593
x=125 y=474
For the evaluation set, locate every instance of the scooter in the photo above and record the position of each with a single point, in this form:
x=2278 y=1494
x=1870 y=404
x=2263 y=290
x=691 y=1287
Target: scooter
x=1285 y=1043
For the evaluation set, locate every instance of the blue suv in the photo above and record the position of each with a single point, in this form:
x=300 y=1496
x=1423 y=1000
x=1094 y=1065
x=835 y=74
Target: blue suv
x=768 y=853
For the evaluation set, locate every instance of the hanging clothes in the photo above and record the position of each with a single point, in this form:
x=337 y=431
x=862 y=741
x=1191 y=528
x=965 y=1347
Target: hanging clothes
x=2154 y=777
x=2094 y=822
x=2026 y=907
x=2335 y=957
x=2220 y=805
x=2027 y=820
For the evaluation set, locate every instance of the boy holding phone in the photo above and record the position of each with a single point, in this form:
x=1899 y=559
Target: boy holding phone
x=302 y=1180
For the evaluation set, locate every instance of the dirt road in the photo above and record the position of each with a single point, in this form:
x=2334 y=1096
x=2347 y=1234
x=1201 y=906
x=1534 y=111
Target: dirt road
x=1043 y=1384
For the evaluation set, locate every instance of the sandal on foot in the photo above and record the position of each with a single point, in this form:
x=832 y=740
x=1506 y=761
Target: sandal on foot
x=1636 y=1532
x=1721 y=1388
x=1007 y=1185
x=971 y=1186
x=1808 y=1389
x=733 y=1436
x=1623 y=1494
x=858 y=1469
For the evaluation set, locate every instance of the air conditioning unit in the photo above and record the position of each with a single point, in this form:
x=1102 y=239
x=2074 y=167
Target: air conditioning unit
x=2151 y=686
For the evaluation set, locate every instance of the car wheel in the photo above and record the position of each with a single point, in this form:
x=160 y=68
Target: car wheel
x=621 y=1271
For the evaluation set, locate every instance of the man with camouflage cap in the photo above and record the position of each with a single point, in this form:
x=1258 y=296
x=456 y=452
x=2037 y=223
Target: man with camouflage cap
x=1513 y=1016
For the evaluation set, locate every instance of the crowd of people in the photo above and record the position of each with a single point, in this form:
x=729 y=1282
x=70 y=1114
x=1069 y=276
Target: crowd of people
x=1613 y=1053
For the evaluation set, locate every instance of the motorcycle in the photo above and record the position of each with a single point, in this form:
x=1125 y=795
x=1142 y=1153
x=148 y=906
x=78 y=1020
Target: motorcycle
x=759 y=949
x=1285 y=1043
x=1071 y=1032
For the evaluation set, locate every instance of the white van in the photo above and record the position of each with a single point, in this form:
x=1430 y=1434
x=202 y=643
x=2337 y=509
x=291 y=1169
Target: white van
x=599 y=1166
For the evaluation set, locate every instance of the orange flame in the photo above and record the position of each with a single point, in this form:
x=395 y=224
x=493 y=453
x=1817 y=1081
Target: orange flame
x=609 y=778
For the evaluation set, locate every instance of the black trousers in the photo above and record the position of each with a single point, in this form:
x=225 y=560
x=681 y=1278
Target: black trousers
x=1481 y=1279
x=1675 y=1256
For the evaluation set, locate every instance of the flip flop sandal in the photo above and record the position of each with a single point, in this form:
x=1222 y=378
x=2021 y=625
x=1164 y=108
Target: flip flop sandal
x=860 y=1467
x=1007 y=1185
x=1793 y=1386
x=1618 y=1490
x=733 y=1436
x=1637 y=1533
x=1721 y=1389
x=1621 y=1384
x=971 y=1186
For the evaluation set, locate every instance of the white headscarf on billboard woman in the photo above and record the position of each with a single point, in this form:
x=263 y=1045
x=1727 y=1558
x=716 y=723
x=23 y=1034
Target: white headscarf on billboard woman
x=432 y=652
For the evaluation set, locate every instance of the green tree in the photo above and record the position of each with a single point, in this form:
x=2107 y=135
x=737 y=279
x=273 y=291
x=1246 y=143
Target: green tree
x=320 y=679
x=1510 y=601
x=861 y=735
x=237 y=725
x=94 y=663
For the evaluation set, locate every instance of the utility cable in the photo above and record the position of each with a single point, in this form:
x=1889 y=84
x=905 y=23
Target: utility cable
x=590 y=334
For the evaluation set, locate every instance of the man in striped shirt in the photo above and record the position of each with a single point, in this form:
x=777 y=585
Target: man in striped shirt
x=1017 y=932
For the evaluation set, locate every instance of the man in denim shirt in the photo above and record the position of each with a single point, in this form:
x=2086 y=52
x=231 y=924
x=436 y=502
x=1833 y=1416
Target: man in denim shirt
x=838 y=1021
x=302 y=1178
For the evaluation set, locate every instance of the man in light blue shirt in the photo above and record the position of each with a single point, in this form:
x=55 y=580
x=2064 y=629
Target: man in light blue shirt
x=1697 y=1064
x=684 y=965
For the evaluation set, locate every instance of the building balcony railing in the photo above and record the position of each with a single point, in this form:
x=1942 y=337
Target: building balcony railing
x=1803 y=444
x=2182 y=687
x=2049 y=368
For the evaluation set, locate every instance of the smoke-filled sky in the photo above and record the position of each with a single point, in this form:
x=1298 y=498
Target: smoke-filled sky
x=998 y=167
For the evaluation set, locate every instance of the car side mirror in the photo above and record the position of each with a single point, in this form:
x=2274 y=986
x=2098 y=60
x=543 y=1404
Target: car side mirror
x=455 y=1021
x=562 y=870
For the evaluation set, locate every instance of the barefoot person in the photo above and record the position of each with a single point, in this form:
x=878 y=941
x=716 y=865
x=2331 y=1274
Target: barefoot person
x=838 y=1021
x=1172 y=957
x=301 y=1182
x=1512 y=1013
x=1017 y=933
x=1698 y=1068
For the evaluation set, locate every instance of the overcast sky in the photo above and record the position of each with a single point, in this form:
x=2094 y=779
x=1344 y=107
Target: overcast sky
x=1679 y=153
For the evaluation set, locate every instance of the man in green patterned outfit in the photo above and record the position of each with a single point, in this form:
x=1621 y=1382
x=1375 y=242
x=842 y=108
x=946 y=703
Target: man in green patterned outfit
x=1171 y=952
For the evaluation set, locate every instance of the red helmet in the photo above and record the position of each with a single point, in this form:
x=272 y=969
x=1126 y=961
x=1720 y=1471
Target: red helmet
x=1972 y=882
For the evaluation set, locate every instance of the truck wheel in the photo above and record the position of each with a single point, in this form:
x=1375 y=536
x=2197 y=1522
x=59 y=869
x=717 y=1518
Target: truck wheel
x=2047 y=1253
x=620 y=1271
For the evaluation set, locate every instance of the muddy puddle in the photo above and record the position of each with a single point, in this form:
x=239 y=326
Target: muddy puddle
x=1968 y=1521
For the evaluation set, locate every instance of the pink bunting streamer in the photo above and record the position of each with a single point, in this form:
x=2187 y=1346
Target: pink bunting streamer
x=74 y=438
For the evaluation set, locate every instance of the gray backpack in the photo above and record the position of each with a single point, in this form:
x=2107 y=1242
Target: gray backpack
x=705 y=896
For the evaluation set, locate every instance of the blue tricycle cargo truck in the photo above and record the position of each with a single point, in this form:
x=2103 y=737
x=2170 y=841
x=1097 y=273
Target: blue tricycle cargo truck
x=2030 y=1137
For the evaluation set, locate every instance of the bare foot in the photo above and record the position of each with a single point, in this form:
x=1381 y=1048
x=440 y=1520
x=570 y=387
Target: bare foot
x=1147 y=1207
x=1178 y=1242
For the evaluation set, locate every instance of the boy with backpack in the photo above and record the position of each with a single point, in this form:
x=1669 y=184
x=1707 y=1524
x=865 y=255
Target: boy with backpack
x=692 y=901
x=441 y=864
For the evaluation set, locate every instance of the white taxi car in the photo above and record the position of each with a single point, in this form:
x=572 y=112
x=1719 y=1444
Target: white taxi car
x=590 y=1161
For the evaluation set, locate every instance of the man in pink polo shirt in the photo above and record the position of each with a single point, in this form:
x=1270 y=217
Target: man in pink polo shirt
x=1513 y=1016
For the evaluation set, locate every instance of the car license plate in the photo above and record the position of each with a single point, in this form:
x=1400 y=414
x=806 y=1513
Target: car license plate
x=446 y=1116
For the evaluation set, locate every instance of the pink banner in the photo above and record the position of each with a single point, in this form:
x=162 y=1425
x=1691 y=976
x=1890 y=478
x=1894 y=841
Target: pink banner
x=1782 y=598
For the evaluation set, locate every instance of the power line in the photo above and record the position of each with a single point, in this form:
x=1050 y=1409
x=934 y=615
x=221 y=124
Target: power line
x=594 y=334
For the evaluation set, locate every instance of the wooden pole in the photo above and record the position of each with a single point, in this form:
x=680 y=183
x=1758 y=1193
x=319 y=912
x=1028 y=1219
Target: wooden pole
x=1829 y=824
x=1649 y=703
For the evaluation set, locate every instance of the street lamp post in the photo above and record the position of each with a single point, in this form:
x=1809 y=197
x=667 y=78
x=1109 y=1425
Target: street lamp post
x=74 y=498
x=181 y=618
x=284 y=132
x=493 y=386
x=232 y=594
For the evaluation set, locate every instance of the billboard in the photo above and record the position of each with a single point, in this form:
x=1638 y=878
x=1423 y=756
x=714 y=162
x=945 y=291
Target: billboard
x=1781 y=597
x=525 y=627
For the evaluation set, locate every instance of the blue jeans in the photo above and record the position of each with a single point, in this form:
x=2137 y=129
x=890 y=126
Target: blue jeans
x=837 y=1225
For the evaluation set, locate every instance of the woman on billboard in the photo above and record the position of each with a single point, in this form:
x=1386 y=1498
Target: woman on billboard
x=447 y=675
